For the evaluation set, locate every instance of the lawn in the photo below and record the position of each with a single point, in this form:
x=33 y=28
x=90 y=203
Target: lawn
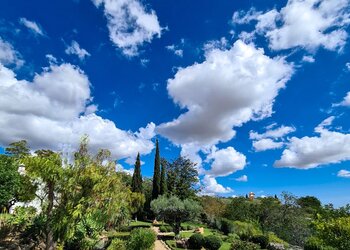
x=140 y=224
x=172 y=244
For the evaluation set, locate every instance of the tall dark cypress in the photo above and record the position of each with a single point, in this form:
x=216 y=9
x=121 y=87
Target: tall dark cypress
x=136 y=185
x=163 y=183
x=156 y=174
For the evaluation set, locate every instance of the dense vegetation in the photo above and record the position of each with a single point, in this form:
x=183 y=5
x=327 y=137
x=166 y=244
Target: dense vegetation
x=48 y=202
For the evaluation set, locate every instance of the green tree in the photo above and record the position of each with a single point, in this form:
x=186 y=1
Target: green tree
x=182 y=177
x=47 y=167
x=309 y=203
x=156 y=174
x=174 y=211
x=136 y=185
x=17 y=149
x=163 y=183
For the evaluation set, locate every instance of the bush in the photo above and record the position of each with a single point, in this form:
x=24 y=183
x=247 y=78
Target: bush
x=165 y=229
x=141 y=239
x=190 y=227
x=196 y=241
x=314 y=243
x=117 y=244
x=262 y=240
x=274 y=239
x=232 y=237
x=169 y=228
x=226 y=226
x=244 y=245
x=212 y=242
x=23 y=217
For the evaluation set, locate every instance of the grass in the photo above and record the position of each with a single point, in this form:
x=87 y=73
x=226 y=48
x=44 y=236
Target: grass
x=140 y=224
x=225 y=246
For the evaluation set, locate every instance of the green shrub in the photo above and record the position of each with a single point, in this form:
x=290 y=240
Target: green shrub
x=314 y=243
x=117 y=244
x=262 y=240
x=212 y=242
x=163 y=229
x=23 y=217
x=245 y=230
x=190 y=227
x=169 y=228
x=141 y=239
x=196 y=241
x=226 y=226
x=232 y=237
x=274 y=238
x=244 y=245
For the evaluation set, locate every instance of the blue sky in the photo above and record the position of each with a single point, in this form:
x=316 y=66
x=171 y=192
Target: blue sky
x=256 y=92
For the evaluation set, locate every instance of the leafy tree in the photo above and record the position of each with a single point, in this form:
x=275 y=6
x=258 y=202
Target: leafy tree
x=213 y=207
x=17 y=149
x=163 y=183
x=182 y=177
x=136 y=185
x=174 y=211
x=309 y=203
x=92 y=198
x=47 y=167
x=156 y=174
x=14 y=187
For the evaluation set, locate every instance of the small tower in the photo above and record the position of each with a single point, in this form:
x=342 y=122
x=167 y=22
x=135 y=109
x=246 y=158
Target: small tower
x=251 y=196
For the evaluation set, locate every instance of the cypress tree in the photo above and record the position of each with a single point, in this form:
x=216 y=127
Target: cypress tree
x=156 y=174
x=136 y=185
x=163 y=184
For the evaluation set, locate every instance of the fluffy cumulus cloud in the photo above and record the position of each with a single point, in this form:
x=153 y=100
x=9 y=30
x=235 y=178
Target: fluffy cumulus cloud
x=266 y=144
x=345 y=102
x=211 y=187
x=8 y=55
x=271 y=139
x=75 y=49
x=130 y=24
x=243 y=178
x=231 y=87
x=32 y=26
x=343 y=173
x=51 y=112
x=310 y=152
x=225 y=161
x=302 y=23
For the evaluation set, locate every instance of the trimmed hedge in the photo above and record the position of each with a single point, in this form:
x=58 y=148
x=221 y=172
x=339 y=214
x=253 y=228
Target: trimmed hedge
x=212 y=242
x=196 y=241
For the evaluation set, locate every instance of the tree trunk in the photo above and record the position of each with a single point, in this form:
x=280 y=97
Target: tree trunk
x=50 y=244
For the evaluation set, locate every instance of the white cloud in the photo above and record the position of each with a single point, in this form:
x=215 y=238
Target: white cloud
x=211 y=187
x=347 y=65
x=130 y=24
x=8 y=55
x=243 y=178
x=309 y=59
x=75 y=49
x=225 y=161
x=343 y=173
x=310 y=152
x=228 y=89
x=54 y=111
x=32 y=26
x=345 y=102
x=272 y=133
x=266 y=144
x=175 y=50
x=302 y=23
